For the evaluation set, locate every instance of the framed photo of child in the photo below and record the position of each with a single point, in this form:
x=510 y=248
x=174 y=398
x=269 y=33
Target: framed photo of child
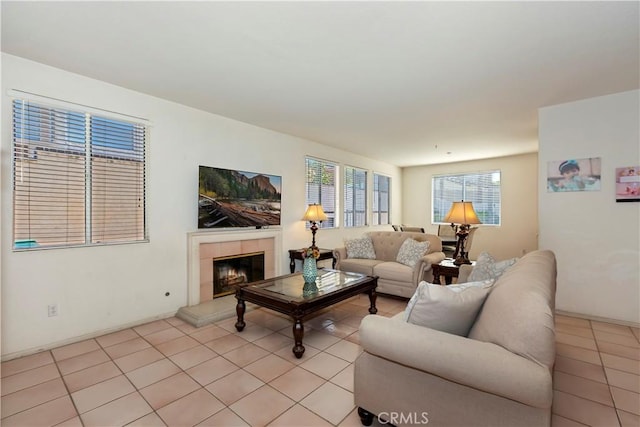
x=574 y=175
x=628 y=184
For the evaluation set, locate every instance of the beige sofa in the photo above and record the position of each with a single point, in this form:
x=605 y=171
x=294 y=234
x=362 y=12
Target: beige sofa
x=500 y=375
x=394 y=278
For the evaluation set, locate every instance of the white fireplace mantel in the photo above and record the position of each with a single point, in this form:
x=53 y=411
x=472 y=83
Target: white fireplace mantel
x=196 y=238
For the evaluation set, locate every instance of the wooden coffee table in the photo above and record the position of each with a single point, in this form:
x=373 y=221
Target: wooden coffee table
x=289 y=295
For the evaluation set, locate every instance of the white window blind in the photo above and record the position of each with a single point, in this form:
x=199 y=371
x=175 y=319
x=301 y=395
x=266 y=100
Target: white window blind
x=321 y=188
x=480 y=188
x=78 y=178
x=355 y=197
x=381 y=199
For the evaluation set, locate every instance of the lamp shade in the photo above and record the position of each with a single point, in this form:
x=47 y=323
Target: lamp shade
x=314 y=213
x=462 y=213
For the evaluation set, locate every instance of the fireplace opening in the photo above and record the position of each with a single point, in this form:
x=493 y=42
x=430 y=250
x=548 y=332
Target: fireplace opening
x=233 y=270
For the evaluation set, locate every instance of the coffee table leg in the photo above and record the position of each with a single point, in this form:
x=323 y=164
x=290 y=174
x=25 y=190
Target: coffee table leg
x=372 y=301
x=298 y=334
x=240 y=308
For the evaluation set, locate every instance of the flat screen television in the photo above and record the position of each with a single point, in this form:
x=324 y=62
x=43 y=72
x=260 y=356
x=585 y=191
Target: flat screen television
x=233 y=198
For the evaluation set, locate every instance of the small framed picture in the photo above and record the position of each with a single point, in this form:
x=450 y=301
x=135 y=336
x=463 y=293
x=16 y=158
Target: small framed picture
x=574 y=175
x=628 y=184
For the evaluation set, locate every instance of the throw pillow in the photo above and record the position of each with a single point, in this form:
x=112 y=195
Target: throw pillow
x=445 y=309
x=411 y=251
x=488 y=268
x=360 y=248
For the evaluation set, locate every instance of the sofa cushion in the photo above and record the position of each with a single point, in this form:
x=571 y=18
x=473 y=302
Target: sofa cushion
x=361 y=247
x=411 y=251
x=451 y=309
x=488 y=268
x=393 y=271
x=387 y=243
x=362 y=266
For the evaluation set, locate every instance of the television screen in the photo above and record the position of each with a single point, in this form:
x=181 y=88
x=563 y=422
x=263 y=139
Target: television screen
x=232 y=198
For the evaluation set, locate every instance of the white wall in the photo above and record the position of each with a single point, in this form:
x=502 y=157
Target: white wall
x=104 y=288
x=518 y=232
x=595 y=239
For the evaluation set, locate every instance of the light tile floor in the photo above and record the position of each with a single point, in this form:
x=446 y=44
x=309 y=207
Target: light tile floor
x=169 y=373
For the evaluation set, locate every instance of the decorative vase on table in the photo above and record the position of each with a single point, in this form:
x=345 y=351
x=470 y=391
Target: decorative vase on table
x=309 y=270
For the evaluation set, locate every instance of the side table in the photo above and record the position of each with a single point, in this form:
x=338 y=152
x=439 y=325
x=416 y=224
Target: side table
x=295 y=254
x=447 y=269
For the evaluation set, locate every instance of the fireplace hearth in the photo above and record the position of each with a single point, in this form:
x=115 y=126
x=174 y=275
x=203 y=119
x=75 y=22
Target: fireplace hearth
x=229 y=271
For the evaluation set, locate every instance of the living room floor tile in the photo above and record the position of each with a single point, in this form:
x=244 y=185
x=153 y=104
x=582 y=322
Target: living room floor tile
x=297 y=383
x=169 y=389
x=118 y=412
x=26 y=363
x=185 y=377
x=98 y=394
x=580 y=369
x=294 y=415
x=246 y=354
x=583 y=410
x=190 y=409
x=90 y=376
x=224 y=418
x=152 y=373
x=138 y=359
x=193 y=356
x=330 y=402
x=582 y=387
x=269 y=367
x=262 y=406
x=234 y=386
x=324 y=365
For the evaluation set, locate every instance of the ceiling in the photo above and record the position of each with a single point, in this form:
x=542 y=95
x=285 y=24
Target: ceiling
x=408 y=83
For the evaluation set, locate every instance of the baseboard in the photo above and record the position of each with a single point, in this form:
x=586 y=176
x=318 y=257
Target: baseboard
x=599 y=319
x=76 y=339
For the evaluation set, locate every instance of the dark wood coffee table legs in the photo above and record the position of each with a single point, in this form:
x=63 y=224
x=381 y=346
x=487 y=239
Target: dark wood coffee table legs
x=298 y=334
x=240 y=309
x=372 y=301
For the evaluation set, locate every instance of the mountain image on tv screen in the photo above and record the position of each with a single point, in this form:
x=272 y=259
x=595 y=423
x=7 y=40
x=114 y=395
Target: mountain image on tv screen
x=231 y=198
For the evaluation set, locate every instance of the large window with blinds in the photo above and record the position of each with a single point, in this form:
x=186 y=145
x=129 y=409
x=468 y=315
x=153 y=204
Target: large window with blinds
x=480 y=188
x=355 y=197
x=381 y=214
x=321 y=188
x=78 y=178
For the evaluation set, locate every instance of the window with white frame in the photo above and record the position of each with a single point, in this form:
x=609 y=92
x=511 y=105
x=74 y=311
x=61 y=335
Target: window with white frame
x=321 y=188
x=78 y=178
x=381 y=200
x=355 y=197
x=480 y=188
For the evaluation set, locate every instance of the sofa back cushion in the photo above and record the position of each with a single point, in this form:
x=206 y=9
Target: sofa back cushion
x=387 y=243
x=519 y=312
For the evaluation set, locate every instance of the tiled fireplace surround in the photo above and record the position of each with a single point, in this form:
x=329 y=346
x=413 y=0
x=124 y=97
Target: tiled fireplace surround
x=202 y=248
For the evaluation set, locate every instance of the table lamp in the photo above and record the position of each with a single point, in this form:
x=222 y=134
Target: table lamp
x=314 y=214
x=463 y=214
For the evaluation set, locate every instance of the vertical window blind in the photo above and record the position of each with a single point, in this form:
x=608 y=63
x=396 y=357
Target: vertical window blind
x=78 y=178
x=381 y=200
x=321 y=188
x=480 y=188
x=355 y=197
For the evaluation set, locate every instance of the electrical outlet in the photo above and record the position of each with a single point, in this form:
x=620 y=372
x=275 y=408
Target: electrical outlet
x=52 y=310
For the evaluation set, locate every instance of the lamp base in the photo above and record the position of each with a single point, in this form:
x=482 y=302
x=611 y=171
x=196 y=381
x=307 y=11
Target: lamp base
x=460 y=260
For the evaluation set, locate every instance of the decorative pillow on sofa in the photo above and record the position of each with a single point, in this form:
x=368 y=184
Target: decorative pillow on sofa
x=451 y=309
x=360 y=248
x=411 y=251
x=488 y=268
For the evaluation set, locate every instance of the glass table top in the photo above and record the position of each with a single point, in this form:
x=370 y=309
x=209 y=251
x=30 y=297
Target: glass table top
x=294 y=288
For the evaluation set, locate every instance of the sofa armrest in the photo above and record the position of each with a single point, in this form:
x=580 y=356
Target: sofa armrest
x=424 y=267
x=476 y=364
x=463 y=273
x=339 y=254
